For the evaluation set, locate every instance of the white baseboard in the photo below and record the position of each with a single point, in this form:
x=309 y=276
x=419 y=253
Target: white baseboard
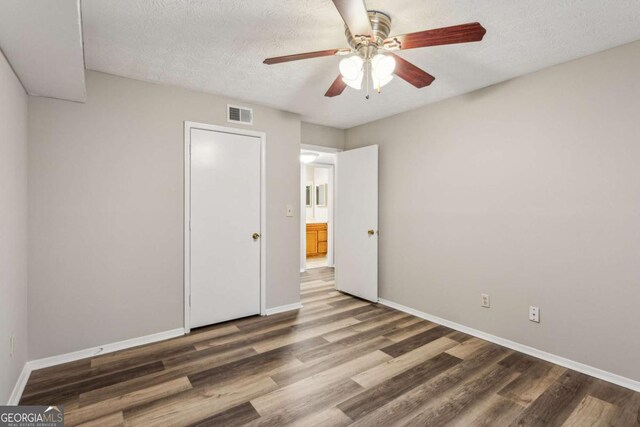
x=283 y=308
x=104 y=349
x=82 y=354
x=558 y=360
x=16 y=394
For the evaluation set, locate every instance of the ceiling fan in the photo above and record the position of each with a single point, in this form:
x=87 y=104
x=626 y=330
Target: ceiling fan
x=371 y=56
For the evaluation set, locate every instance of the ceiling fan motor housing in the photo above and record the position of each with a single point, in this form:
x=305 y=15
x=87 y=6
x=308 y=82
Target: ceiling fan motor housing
x=381 y=25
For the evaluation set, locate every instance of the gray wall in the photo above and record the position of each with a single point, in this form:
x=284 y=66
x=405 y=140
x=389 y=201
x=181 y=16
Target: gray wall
x=106 y=210
x=529 y=191
x=13 y=227
x=322 y=135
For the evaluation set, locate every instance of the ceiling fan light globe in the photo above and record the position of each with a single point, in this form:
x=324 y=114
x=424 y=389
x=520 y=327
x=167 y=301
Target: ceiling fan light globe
x=382 y=66
x=351 y=67
x=354 y=83
x=378 y=83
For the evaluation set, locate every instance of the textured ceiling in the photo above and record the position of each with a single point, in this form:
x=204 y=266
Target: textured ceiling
x=42 y=40
x=218 y=47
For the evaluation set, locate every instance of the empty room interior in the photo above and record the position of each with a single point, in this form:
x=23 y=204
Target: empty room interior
x=320 y=213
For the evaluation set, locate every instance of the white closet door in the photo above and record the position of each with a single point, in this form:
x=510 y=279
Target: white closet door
x=356 y=234
x=225 y=226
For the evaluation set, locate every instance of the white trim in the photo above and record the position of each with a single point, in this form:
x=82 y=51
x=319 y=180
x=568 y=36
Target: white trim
x=104 y=349
x=16 y=394
x=83 y=354
x=187 y=212
x=283 y=308
x=303 y=217
x=186 y=234
x=320 y=148
x=263 y=223
x=558 y=360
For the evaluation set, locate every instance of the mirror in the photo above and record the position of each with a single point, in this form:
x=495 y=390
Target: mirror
x=321 y=195
x=308 y=195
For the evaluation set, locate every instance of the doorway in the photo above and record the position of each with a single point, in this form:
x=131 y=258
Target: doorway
x=318 y=214
x=317 y=172
x=224 y=268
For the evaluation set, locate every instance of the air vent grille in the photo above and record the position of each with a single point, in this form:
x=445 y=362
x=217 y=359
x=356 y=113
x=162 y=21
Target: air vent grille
x=237 y=114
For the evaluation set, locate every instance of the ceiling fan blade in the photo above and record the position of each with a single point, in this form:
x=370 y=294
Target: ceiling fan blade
x=473 y=32
x=354 y=14
x=307 y=55
x=336 y=88
x=412 y=74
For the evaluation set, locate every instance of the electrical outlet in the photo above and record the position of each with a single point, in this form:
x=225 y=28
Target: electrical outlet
x=534 y=314
x=12 y=345
x=485 y=301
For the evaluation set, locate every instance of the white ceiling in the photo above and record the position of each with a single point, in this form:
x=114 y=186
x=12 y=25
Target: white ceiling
x=218 y=47
x=42 y=39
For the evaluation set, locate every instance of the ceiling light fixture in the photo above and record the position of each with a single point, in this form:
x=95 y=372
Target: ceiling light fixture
x=370 y=55
x=378 y=68
x=382 y=68
x=352 y=72
x=308 y=157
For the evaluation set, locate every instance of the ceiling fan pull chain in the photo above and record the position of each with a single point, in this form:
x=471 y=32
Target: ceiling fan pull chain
x=367 y=67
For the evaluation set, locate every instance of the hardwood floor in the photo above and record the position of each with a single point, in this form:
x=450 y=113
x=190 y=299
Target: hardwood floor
x=317 y=262
x=338 y=361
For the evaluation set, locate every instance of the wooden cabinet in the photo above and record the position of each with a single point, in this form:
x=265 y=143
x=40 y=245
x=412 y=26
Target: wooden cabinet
x=316 y=239
x=312 y=242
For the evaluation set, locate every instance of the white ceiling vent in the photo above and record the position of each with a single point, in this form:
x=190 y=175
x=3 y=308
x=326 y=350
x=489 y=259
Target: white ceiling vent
x=237 y=114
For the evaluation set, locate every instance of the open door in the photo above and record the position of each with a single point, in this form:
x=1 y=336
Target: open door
x=356 y=234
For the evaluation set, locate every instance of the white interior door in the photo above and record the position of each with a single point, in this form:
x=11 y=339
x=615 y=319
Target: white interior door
x=356 y=234
x=225 y=215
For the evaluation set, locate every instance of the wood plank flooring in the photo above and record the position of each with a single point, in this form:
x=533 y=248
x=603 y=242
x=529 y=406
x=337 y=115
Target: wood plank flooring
x=339 y=361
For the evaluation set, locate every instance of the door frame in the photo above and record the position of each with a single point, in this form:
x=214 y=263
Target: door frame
x=331 y=214
x=188 y=126
x=303 y=209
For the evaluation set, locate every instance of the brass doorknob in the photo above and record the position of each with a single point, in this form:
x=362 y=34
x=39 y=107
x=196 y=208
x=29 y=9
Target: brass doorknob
x=256 y=236
x=371 y=232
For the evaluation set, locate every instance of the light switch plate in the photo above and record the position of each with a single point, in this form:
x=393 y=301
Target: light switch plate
x=289 y=210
